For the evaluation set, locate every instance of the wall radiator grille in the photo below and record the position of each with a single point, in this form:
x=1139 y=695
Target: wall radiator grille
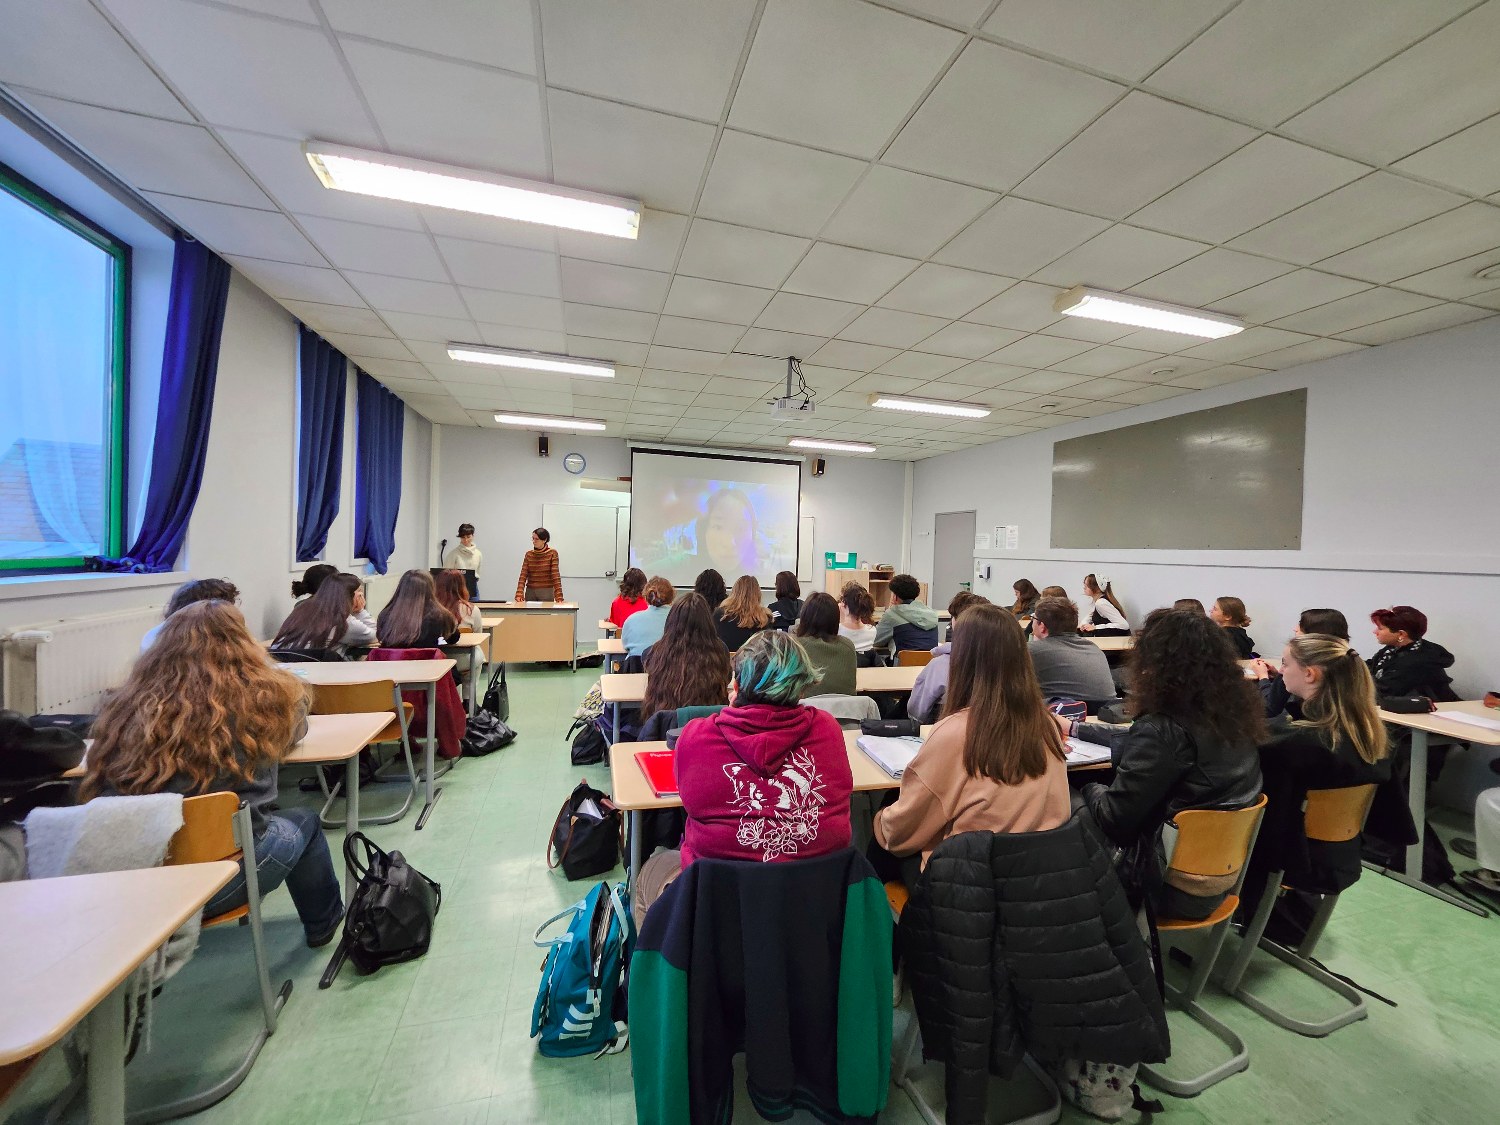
x=68 y=665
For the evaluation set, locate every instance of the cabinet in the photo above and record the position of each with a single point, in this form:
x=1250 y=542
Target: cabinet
x=878 y=582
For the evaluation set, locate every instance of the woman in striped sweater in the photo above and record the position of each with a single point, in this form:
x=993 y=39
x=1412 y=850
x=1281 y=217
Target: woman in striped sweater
x=541 y=576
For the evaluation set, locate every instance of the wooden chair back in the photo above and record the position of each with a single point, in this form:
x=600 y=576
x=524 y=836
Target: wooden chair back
x=913 y=658
x=207 y=832
x=1336 y=815
x=352 y=699
x=1215 y=841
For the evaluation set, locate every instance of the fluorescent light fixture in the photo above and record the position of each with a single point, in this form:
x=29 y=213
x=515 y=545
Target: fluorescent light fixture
x=530 y=361
x=929 y=406
x=1117 y=309
x=831 y=446
x=464 y=189
x=547 y=421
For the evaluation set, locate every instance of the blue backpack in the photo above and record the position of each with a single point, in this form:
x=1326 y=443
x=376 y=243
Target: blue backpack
x=582 y=978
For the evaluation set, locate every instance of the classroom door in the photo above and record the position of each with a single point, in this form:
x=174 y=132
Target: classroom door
x=952 y=556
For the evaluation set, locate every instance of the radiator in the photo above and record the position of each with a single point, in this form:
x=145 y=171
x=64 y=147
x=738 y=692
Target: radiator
x=68 y=665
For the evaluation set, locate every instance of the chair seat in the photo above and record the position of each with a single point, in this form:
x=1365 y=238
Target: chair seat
x=228 y=916
x=1226 y=908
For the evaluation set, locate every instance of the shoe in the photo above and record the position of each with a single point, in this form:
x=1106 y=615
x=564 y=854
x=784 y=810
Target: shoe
x=1483 y=877
x=318 y=941
x=1464 y=847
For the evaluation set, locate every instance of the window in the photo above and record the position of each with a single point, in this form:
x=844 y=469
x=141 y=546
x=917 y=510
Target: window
x=63 y=324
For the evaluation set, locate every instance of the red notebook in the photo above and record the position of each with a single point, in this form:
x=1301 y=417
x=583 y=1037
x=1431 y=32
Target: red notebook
x=657 y=765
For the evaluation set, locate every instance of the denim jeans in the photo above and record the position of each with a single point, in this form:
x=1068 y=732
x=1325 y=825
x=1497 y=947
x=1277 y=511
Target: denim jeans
x=291 y=850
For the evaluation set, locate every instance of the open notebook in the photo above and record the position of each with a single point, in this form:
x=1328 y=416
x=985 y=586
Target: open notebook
x=892 y=755
x=1082 y=753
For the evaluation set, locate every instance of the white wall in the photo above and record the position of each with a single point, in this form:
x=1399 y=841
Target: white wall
x=495 y=480
x=1400 y=470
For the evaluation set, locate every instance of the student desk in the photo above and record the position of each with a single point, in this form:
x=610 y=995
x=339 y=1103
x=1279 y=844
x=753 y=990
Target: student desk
x=613 y=651
x=475 y=649
x=412 y=674
x=1422 y=727
x=619 y=688
x=1112 y=643
x=608 y=627
x=71 y=945
x=537 y=631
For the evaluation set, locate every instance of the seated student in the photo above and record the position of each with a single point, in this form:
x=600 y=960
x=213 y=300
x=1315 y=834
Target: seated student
x=414 y=618
x=1067 y=665
x=330 y=623
x=926 y=700
x=741 y=615
x=312 y=578
x=817 y=630
x=995 y=761
x=1054 y=592
x=1190 y=603
x=710 y=583
x=1408 y=664
x=1026 y=597
x=202 y=590
x=203 y=711
x=632 y=597
x=788 y=604
x=453 y=595
x=1330 y=623
x=644 y=629
x=1192 y=745
x=1099 y=611
x=907 y=623
x=689 y=665
x=857 y=616
x=1229 y=614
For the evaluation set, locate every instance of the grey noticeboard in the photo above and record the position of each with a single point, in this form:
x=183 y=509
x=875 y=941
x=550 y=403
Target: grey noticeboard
x=1229 y=478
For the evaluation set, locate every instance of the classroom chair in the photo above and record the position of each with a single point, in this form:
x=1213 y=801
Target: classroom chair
x=1209 y=842
x=358 y=699
x=1329 y=816
x=913 y=658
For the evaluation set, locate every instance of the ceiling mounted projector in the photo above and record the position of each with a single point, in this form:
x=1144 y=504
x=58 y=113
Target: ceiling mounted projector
x=792 y=409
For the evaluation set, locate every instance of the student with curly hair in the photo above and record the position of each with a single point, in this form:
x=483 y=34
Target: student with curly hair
x=907 y=624
x=644 y=629
x=689 y=666
x=202 y=590
x=857 y=616
x=710 y=583
x=632 y=597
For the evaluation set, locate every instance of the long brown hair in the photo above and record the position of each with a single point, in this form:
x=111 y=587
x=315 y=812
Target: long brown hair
x=321 y=620
x=689 y=666
x=1344 y=706
x=1184 y=666
x=743 y=606
x=413 y=611
x=453 y=593
x=202 y=702
x=1026 y=596
x=1107 y=591
x=1010 y=735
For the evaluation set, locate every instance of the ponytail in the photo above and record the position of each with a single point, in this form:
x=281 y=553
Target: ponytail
x=1344 y=706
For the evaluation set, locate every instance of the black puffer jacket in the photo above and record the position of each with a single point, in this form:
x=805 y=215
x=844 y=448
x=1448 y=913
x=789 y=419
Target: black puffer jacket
x=1160 y=769
x=1023 y=942
x=1421 y=668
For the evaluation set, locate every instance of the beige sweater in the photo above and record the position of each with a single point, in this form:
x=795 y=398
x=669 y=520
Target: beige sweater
x=938 y=799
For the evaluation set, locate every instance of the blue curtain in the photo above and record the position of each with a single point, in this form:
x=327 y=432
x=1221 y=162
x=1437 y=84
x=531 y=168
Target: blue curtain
x=380 y=424
x=189 y=370
x=320 y=441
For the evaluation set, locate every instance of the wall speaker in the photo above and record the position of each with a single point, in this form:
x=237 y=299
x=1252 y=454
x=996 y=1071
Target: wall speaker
x=541 y=445
x=819 y=466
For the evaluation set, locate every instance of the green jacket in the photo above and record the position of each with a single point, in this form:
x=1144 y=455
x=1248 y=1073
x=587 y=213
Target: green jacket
x=905 y=613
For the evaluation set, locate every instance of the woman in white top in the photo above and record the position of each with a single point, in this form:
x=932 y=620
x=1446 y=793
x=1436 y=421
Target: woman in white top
x=466 y=556
x=857 y=617
x=1099 y=610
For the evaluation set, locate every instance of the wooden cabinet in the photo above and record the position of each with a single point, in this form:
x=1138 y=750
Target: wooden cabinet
x=878 y=582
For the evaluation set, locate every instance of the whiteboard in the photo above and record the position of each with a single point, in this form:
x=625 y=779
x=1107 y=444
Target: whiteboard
x=590 y=538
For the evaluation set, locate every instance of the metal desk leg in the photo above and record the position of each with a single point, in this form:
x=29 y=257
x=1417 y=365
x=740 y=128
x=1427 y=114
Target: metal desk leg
x=476 y=670
x=430 y=757
x=351 y=817
x=616 y=738
x=635 y=849
x=106 y=1058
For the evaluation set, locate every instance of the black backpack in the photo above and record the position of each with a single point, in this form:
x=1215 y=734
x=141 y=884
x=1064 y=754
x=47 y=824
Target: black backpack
x=589 y=744
x=391 y=915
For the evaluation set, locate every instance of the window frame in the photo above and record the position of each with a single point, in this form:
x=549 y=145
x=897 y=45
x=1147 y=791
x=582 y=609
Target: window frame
x=14 y=184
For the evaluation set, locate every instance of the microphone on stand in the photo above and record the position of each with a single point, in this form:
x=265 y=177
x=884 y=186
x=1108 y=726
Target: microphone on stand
x=442 y=547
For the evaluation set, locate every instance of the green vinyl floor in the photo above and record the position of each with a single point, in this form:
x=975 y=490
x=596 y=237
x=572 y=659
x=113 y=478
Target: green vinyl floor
x=445 y=1039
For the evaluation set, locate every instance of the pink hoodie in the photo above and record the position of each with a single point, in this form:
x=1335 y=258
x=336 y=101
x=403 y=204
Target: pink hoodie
x=764 y=782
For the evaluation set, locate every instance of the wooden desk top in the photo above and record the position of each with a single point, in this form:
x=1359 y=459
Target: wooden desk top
x=529 y=607
x=618 y=687
x=612 y=646
x=69 y=941
x=337 y=738
x=1436 y=724
x=1114 y=643
x=369 y=671
x=621 y=687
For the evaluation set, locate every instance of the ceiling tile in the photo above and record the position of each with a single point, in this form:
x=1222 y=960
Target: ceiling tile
x=1146 y=339
x=338 y=318
x=891 y=328
x=1096 y=409
x=279 y=166
x=589 y=347
x=620 y=150
x=853 y=356
x=920 y=365
x=676 y=55
x=967 y=128
x=295 y=282
x=983 y=374
x=1089 y=331
x=239 y=230
x=1414 y=324
x=523 y=310
x=150 y=154
x=740 y=254
x=702 y=299
x=845 y=274
x=272 y=77
x=1016 y=238
x=432 y=329
x=1288 y=294
x=404 y=294
x=358 y=246
x=1309 y=352
x=1209 y=277
x=969 y=341
x=1150 y=393
x=1044 y=382
x=775 y=186
x=1368 y=208
x=1457 y=279
x=1268 y=177
x=1026 y=306
x=1143 y=146
x=944 y=290
x=414 y=98
x=683 y=359
x=1106 y=360
x=1127 y=39
x=608 y=324
x=1337 y=318
x=371 y=347
x=1119 y=258
x=485 y=265
x=1471 y=229
x=1433 y=88
x=1309 y=48
x=654 y=248
x=486 y=228
x=902 y=212
x=817 y=316
x=837 y=74
x=496 y=32
x=757 y=343
x=1248 y=344
x=1039 y=351
x=702 y=335
x=1469 y=160
x=599 y=283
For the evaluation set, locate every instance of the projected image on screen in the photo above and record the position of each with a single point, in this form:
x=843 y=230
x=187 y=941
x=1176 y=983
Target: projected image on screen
x=689 y=513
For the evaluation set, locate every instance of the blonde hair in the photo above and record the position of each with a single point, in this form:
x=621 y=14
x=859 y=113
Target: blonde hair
x=743 y=606
x=203 y=702
x=1344 y=706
